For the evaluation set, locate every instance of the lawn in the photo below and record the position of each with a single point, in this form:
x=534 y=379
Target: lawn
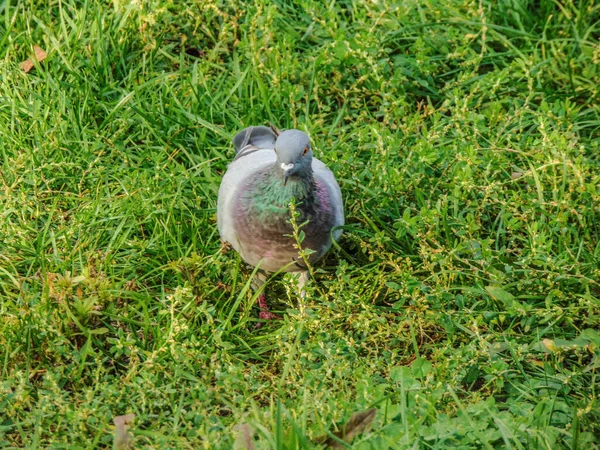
x=463 y=300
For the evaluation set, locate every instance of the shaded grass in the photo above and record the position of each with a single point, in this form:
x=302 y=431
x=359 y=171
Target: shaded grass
x=465 y=138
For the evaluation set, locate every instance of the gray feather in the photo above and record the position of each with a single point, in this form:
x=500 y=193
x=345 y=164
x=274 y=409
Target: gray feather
x=260 y=137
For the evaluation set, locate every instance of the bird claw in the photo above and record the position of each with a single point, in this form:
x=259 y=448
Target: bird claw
x=264 y=313
x=268 y=315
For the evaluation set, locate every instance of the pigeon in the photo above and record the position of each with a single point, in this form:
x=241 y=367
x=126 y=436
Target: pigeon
x=271 y=169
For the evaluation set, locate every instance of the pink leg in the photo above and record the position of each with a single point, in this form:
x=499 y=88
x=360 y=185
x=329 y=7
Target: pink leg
x=264 y=313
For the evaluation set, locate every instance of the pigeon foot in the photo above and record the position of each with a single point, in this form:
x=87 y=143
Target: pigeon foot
x=264 y=313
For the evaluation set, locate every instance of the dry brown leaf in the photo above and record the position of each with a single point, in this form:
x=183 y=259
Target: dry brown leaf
x=360 y=422
x=39 y=55
x=243 y=441
x=122 y=437
x=225 y=247
x=51 y=277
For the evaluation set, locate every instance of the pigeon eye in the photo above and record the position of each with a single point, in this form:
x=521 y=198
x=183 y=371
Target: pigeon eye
x=305 y=151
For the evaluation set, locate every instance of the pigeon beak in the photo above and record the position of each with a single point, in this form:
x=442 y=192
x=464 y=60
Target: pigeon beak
x=287 y=169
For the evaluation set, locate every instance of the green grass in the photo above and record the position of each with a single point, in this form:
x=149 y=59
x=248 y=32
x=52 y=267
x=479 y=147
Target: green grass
x=463 y=302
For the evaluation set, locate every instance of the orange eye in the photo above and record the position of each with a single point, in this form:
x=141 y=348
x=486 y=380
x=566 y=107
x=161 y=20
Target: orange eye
x=305 y=151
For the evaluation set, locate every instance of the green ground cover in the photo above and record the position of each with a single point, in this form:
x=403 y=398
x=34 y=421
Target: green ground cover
x=463 y=302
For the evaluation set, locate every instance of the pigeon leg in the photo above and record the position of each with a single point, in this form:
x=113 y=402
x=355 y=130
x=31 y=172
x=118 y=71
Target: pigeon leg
x=264 y=314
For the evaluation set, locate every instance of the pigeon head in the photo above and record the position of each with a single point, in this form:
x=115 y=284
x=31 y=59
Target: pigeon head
x=294 y=154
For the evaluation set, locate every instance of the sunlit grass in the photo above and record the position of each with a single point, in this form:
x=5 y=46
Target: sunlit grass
x=462 y=302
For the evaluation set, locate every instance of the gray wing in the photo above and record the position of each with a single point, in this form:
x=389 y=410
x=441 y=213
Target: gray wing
x=233 y=181
x=252 y=140
x=259 y=137
x=323 y=173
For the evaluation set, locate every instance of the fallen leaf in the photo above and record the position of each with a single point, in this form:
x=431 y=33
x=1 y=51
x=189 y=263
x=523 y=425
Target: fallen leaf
x=360 y=422
x=122 y=437
x=225 y=247
x=39 y=55
x=550 y=345
x=78 y=279
x=536 y=362
x=51 y=277
x=245 y=434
